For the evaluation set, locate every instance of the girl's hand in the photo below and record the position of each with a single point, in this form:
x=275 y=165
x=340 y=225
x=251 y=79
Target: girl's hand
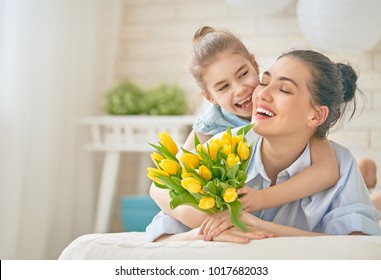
x=236 y=235
x=215 y=224
x=251 y=199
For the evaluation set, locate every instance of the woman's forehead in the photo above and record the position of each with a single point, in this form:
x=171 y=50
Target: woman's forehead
x=291 y=67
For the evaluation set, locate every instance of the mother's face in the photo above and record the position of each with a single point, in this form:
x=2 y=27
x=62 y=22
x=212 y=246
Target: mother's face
x=282 y=101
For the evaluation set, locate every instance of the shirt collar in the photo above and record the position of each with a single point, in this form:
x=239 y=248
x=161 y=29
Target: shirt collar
x=256 y=167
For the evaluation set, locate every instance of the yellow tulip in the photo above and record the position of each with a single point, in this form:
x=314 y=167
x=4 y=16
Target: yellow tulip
x=166 y=140
x=190 y=160
x=192 y=185
x=156 y=157
x=230 y=194
x=205 y=172
x=235 y=140
x=213 y=148
x=185 y=174
x=170 y=166
x=232 y=160
x=226 y=138
x=206 y=202
x=153 y=174
x=227 y=149
x=243 y=150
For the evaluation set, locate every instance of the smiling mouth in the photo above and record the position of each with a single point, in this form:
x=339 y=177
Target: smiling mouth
x=265 y=112
x=245 y=103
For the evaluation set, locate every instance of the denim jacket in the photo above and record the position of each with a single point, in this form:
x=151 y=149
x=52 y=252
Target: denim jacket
x=216 y=120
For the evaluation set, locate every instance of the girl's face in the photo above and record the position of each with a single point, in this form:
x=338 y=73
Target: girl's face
x=282 y=101
x=230 y=81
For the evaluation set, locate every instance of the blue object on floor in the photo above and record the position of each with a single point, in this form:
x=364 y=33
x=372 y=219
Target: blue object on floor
x=137 y=212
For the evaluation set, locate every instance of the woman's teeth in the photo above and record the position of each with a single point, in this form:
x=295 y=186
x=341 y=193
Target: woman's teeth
x=265 y=112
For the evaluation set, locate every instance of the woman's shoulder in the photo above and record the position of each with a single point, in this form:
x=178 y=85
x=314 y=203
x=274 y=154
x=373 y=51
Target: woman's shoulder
x=343 y=154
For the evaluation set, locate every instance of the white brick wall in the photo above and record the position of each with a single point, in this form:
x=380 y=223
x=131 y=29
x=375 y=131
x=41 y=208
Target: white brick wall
x=155 y=40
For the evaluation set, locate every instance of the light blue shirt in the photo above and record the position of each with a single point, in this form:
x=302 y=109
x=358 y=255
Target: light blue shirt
x=344 y=208
x=216 y=120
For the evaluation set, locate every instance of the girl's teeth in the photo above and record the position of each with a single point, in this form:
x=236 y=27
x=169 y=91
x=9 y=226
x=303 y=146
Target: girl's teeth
x=244 y=102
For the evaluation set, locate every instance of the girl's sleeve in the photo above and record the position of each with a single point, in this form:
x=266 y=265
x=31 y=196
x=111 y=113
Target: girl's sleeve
x=163 y=224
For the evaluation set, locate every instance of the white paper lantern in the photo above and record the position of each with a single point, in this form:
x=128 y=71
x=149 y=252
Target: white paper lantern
x=260 y=7
x=335 y=25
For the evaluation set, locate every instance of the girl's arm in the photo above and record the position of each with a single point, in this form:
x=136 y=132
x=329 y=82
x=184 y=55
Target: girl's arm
x=322 y=174
x=188 y=215
x=189 y=143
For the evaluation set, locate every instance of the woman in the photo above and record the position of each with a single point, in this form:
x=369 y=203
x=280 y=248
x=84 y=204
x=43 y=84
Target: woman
x=299 y=98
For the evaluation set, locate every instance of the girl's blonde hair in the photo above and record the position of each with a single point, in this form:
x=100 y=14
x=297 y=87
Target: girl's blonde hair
x=208 y=43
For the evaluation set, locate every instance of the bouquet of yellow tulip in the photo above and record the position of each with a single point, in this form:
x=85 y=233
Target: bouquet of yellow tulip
x=207 y=179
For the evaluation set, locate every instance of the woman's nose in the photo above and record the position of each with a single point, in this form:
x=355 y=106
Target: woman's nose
x=262 y=92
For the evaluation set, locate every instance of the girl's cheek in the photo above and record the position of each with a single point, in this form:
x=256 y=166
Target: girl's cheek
x=255 y=82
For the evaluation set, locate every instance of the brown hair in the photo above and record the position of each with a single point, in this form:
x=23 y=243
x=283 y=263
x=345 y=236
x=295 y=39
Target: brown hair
x=209 y=42
x=333 y=85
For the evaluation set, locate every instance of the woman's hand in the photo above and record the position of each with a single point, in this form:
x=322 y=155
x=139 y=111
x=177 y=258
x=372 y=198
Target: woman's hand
x=236 y=235
x=215 y=224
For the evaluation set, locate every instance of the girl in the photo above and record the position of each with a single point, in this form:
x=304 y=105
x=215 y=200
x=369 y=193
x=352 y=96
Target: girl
x=300 y=97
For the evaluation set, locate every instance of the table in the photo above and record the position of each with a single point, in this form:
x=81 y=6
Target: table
x=116 y=134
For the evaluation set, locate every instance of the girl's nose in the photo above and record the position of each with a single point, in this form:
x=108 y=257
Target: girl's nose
x=240 y=88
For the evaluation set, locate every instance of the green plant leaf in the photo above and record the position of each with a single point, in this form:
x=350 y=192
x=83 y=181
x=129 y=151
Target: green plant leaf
x=171 y=184
x=235 y=209
x=183 y=198
x=165 y=99
x=160 y=186
x=210 y=188
x=231 y=171
x=164 y=151
x=219 y=172
x=245 y=129
x=196 y=140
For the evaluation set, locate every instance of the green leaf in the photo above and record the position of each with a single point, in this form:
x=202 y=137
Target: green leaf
x=218 y=155
x=228 y=130
x=219 y=202
x=171 y=184
x=183 y=198
x=206 y=158
x=245 y=129
x=219 y=172
x=233 y=182
x=160 y=186
x=235 y=209
x=225 y=185
x=231 y=171
x=210 y=188
x=164 y=151
x=241 y=177
x=196 y=140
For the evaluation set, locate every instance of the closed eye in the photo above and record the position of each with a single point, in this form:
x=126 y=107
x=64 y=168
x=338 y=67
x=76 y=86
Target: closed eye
x=243 y=74
x=223 y=87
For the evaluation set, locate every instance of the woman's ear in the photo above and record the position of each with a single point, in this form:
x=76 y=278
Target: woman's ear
x=319 y=116
x=208 y=97
x=254 y=63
